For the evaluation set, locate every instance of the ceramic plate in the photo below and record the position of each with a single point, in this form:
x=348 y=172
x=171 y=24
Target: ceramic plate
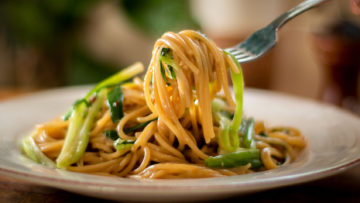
x=333 y=145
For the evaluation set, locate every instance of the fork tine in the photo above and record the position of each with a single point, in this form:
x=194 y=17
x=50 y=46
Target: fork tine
x=246 y=59
x=242 y=55
x=232 y=49
x=238 y=52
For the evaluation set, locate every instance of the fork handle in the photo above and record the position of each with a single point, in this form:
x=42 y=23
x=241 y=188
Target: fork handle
x=303 y=6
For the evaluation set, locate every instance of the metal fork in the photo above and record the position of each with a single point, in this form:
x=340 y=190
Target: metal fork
x=264 y=39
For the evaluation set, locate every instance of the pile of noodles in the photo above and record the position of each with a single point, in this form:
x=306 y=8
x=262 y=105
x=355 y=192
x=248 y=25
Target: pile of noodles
x=180 y=133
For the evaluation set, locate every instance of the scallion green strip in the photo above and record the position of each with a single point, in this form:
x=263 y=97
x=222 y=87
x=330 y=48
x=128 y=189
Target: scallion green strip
x=229 y=140
x=167 y=57
x=172 y=72
x=77 y=136
x=112 y=134
x=121 y=144
x=165 y=52
x=115 y=100
x=238 y=85
x=67 y=115
x=139 y=126
x=119 y=77
x=31 y=150
x=248 y=139
x=234 y=159
x=162 y=71
x=263 y=134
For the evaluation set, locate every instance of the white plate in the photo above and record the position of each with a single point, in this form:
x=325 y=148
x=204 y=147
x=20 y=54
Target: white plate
x=333 y=145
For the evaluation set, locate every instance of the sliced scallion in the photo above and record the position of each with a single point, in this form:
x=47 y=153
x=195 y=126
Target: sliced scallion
x=115 y=100
x=121 y=144
x=137 y=127
x=112 y=134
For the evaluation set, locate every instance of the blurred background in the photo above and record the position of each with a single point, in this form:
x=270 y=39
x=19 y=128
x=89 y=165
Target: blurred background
x=53 y=43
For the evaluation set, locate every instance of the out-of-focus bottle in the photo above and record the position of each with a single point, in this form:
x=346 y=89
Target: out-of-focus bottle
x=336 y=42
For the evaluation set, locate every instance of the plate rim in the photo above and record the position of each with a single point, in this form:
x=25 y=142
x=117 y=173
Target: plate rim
x=305 y=177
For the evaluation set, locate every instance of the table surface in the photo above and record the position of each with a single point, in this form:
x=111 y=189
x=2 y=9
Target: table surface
x=344 y=187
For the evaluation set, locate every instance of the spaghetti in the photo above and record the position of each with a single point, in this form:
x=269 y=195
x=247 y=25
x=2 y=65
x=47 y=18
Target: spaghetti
x=181 y=121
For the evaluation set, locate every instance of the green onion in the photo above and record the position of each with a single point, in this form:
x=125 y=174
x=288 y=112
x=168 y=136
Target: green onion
x=119 y=77
x=79 y=101
x=67 y=115
x=112 y=134
x=115 y=100
x=218 y=105
x=121 y=144
x=228 y=138
x=234 y=159
x=243 y=126
x=115 y=79
x=248 y=139
x=238 y=85
x=263 y=134
x=165 y=52
x=77 y=136
x=139 y=126
x=83 y=115
x=227 y=141
x=31 y=150
x=162 y=71
x=167 y=57
x=229 y=115
x=172 y=72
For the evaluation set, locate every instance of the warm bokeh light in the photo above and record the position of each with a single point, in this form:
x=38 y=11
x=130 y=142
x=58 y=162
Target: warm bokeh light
x=60 y=42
